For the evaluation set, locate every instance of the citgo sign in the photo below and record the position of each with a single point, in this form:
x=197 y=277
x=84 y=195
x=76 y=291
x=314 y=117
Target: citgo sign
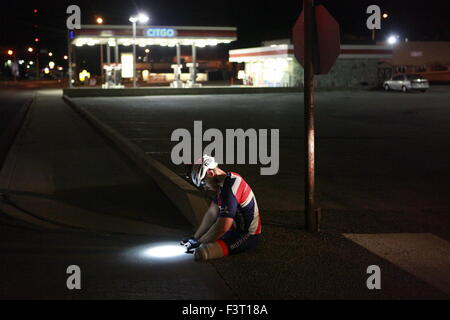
x=160 y=32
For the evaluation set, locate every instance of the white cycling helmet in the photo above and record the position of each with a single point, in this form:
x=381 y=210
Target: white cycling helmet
x=200 y=167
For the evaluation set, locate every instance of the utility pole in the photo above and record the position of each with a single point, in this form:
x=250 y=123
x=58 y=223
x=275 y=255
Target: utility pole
x=16 y=67
x=311 y=219
x=38 y=73
x=101 y=63
x=69 y=59
x=134 y=53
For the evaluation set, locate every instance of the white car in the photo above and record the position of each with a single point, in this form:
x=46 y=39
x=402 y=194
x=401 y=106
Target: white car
x=407 y=82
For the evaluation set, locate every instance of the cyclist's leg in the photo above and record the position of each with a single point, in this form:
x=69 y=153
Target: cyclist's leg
x=231 y=243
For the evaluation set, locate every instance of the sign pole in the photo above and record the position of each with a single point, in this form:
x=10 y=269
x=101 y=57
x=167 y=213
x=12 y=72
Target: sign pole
x=309 y=16
x=134 y=54
x=101 y=63
x=69 y=57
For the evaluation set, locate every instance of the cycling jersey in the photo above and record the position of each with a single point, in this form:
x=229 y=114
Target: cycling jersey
x=236 y=200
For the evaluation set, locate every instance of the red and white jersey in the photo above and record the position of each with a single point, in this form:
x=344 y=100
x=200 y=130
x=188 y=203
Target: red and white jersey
x=236 y=200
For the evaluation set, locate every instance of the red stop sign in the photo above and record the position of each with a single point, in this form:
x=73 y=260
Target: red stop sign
x=328 y=40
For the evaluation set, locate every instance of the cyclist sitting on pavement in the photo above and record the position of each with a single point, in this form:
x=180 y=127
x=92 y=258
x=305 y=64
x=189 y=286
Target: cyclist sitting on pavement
x=232 y=223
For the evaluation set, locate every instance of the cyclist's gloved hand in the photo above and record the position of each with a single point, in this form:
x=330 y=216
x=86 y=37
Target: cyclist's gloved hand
x=186 y=240
x=192 y=244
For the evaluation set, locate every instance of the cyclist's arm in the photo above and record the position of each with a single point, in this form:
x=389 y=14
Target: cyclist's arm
x=227 y=212
x=208 y=220
x=218 y=229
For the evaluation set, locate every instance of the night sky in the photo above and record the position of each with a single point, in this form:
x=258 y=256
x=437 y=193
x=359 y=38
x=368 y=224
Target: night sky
x=256 y=20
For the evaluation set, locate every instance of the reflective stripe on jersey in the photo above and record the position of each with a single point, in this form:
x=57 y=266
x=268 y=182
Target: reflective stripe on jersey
x=236 y=200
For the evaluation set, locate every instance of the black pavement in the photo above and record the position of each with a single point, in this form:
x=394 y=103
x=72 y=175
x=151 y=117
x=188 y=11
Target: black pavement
x=69 y=198
x=381 y=169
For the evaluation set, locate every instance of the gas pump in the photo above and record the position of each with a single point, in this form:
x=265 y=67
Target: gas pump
x=113 y=76
x=193 y=72
x=177 y=83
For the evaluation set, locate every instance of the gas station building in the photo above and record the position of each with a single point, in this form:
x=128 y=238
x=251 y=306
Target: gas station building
x=117 y=67
x=274 y=65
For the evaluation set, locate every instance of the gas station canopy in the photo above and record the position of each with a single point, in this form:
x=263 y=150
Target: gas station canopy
x=124 y=66
x=169 y=36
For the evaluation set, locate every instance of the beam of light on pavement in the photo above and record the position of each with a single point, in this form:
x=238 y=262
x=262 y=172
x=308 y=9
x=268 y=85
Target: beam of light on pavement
x=164 y=251
x=159 y=252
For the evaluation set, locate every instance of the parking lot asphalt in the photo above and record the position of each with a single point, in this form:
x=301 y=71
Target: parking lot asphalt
x=382 y=167
x=394 y=141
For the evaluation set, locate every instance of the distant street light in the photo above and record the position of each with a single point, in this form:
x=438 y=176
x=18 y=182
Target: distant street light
x=392 y=40
x=385 y=16
x=14 y=67
x=51 y=64
x=50 y=54
x=66 y=57
x=99 y=20
x=30 y=49
x=142 y=18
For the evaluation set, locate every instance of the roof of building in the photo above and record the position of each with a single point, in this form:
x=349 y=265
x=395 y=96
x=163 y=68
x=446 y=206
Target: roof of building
x=287 y=51
x=152 y=35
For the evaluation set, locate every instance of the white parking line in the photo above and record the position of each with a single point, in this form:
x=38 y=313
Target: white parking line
x=423 y=255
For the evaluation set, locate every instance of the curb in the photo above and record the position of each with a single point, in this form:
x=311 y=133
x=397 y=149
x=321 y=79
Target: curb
x=188 y=200
x=13 y=130
x=166 y=91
